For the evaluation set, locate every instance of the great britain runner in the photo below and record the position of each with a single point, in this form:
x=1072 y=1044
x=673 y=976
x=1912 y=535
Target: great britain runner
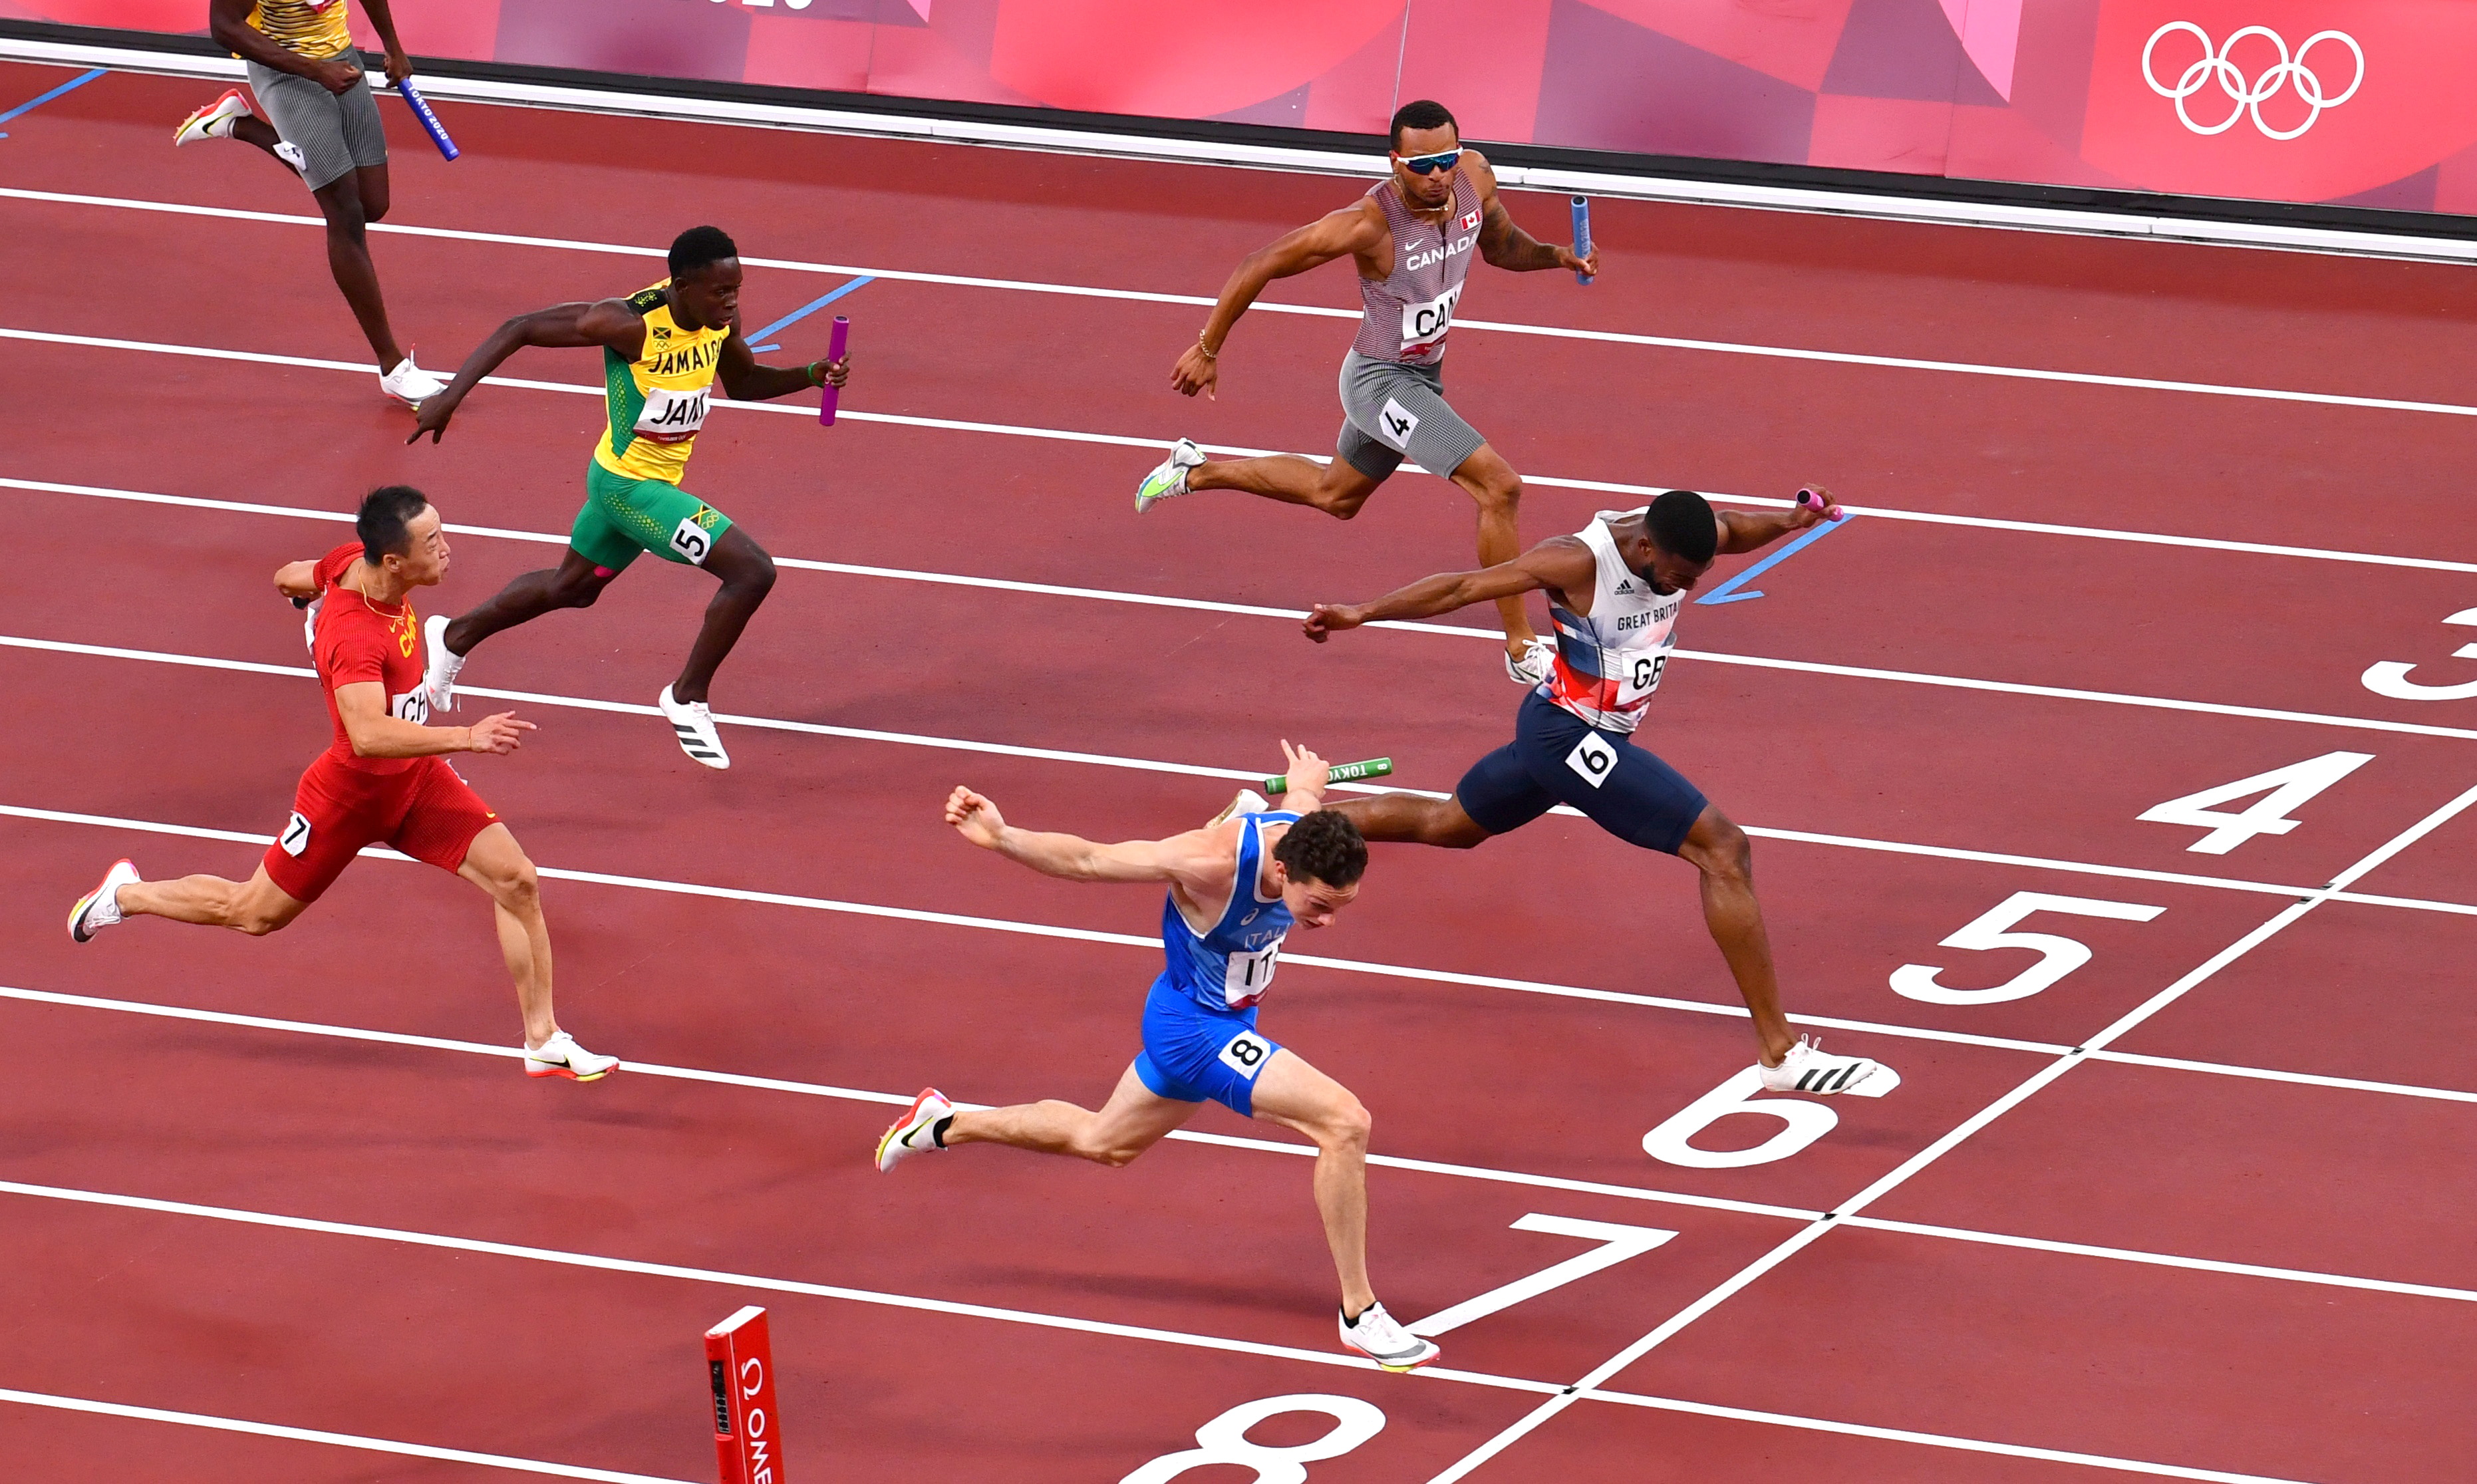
x=1236 y=888
x=1412 y=237
x=385 y=780
x=663 y=349
x=1614 y=590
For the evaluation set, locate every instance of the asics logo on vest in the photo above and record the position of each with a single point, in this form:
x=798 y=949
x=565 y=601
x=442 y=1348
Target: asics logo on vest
x=2248 y=97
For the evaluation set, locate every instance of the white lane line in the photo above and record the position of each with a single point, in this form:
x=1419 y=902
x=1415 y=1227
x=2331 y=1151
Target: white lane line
x=1347 y=965
x=1950 y=1140
x=633 y=1266
x=1084 y=935
x=1384 y=1161
x=886 y=1100
x=348 y=1440
x=1233 y=450
x=1934 y=1440
x=1496 y=326
x=2301 y=1078
x=2158 y=1260
x=1233 y=774
x=1201 y=605
x=1011 y=1316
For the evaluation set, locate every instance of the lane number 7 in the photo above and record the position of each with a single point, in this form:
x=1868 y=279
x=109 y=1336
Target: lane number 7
x=1616 y=1241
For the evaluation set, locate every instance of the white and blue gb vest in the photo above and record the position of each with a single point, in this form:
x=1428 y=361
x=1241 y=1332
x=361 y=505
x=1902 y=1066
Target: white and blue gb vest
x=1609 y=664
x=1230 y=967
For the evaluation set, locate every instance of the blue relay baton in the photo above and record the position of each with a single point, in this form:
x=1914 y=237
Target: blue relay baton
x=1581 y=233
x=439 y=130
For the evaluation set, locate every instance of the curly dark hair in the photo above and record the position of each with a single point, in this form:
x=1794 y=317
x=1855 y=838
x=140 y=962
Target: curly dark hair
x=700 y=247
x=1323 y=846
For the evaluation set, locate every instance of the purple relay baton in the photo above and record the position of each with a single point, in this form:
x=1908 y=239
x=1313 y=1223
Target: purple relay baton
x=429 y=120
x=834 y=343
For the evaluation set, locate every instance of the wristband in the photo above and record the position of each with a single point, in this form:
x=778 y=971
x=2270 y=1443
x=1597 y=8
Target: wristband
x=1210 y=354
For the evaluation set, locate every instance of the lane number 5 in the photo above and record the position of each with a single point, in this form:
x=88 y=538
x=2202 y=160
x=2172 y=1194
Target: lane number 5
x=2057 y=956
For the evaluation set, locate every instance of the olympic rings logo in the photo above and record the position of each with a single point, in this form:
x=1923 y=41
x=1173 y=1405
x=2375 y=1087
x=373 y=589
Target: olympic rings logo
x=2248 y=97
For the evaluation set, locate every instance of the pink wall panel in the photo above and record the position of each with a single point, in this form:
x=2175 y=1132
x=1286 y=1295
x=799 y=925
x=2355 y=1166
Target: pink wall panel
x=2072 y=92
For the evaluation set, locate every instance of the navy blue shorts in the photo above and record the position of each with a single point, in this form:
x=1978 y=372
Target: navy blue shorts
x=1558 y=758
x=1195 y=1055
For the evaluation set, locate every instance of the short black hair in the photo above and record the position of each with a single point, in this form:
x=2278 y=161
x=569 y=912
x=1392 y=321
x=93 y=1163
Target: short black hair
x=1683 y=524
x=1423 y=113
x=700 y=247
x=382 y=519
x=1323 y=846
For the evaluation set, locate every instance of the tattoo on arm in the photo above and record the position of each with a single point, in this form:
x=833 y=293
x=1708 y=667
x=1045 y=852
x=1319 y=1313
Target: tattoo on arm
x=1506 y=245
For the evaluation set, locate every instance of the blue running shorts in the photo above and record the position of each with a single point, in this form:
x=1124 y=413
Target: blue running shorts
x=1195 y=1055
x=1558 y=758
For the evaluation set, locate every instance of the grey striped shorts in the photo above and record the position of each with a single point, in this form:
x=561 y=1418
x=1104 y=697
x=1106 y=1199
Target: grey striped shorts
x=335 y=132
x=1392 y=410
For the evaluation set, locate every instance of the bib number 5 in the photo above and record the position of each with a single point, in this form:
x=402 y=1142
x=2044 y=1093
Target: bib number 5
x=692 y=540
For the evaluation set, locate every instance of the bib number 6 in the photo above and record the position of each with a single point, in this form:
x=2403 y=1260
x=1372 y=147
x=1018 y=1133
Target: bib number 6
x=1225 y=1440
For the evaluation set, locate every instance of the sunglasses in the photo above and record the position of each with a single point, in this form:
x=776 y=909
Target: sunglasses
x=1427 y=164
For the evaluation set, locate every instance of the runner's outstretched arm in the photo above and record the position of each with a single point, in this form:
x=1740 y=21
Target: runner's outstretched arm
x=744 y=380
x=1743 y=530
x=1557 y=564
x=1193 y=855
x=572 y=326
x=1355 y=230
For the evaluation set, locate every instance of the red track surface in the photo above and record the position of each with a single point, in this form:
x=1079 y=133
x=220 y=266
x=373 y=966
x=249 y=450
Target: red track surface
x=1876 y=1352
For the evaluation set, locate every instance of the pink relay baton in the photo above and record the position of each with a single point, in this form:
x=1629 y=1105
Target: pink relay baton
x=1806 y=498
x=834 y=343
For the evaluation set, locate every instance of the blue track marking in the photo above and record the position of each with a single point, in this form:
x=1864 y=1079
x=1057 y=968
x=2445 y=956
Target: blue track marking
x=1727 y=591
x=791 y=319
x=32 y=104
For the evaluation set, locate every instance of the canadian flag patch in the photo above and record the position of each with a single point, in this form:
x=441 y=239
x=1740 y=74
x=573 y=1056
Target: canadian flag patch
x=1471 y=223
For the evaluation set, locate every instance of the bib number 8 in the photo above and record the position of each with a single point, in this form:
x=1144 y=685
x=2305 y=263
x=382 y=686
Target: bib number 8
x=1225 y=1440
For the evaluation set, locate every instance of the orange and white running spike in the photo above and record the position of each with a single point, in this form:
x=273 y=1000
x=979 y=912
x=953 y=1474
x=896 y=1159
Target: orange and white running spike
x=214 y=122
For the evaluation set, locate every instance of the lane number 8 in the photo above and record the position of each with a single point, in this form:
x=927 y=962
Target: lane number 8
x=1225 y=1440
